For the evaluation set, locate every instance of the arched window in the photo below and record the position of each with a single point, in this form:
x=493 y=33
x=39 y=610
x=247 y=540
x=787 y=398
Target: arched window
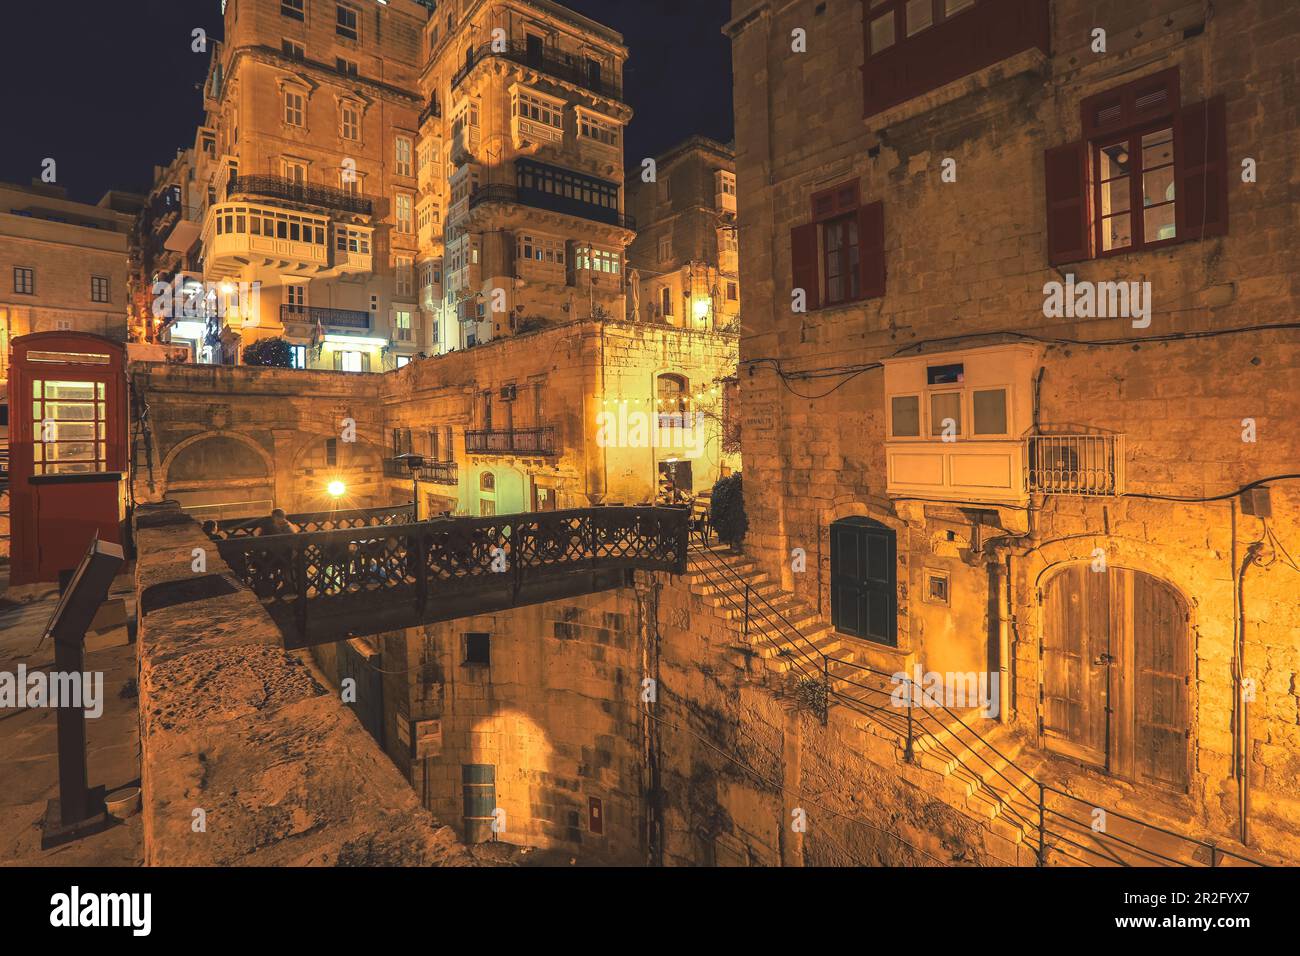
x=487 y=482
x=671 y=393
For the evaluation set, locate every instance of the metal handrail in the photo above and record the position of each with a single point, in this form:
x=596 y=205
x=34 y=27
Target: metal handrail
x=281 y=187
x=1004 y=801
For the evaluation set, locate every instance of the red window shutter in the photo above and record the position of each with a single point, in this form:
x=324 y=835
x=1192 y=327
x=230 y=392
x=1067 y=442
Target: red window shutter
x=1067 y=203
x=1145 y=100
x=803 y=259
x=1202 y=193
x=871 y=250
x=836 y=201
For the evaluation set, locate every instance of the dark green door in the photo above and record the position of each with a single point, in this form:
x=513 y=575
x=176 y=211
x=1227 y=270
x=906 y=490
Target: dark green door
x=864 y=584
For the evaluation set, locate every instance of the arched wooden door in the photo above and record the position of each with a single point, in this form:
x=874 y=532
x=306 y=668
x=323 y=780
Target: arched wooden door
x=1116 y=669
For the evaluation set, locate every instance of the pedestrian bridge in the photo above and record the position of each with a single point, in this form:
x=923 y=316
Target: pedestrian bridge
x=353 y=573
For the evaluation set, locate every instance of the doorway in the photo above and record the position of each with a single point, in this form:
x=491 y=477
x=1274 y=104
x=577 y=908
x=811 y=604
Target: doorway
x=1116 y=673
x=864 y=580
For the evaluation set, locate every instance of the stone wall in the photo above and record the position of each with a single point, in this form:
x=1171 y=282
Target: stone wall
x=247 y=758
x=966 y=264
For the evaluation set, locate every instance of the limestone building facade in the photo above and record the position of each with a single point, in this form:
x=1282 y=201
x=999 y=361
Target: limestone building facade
x=63 y=263
x=1018 y=343
x=305 y=179
x=521 y=206
x=685 y=255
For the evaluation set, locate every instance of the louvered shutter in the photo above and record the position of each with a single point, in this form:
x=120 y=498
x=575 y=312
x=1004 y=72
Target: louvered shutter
x=1202 y=194
x=1066 y=186
x=871 y=250
x=803 y=261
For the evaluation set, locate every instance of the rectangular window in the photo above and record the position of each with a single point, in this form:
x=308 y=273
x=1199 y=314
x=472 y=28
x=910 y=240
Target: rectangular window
x=24 y=280
x=905 y=416
x=296 y=295
x=99 y=289
x=478 y=785
x=292 y=9
x=72 y=439
x=298 y=357
x=478 y=648
x=404 y=268
x=346 y=23
x=294 y=109
x=404 y=214
x=292 y=49
x=936 y=587
x=345 y=66
x=840 y=250
x=349 y=127
x=331 y=452
x=989 y=412
x=665 y=248
x=1135 y=172
x=945 y=413
x=403 y=152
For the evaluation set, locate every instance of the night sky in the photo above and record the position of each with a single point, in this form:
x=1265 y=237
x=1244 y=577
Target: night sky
x=109 y=89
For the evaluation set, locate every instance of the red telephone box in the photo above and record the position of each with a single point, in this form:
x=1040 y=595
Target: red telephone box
x=67 y=450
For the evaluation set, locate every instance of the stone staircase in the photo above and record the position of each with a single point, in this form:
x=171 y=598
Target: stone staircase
x=947 y=760
x=968 y=761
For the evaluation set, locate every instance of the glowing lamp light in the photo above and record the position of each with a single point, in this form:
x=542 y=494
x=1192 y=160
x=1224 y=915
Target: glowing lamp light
x=336 y=489
x=701 y=308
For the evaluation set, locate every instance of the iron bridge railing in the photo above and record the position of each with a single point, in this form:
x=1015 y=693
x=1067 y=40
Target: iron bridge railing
x=411 y=569
x=317 y=521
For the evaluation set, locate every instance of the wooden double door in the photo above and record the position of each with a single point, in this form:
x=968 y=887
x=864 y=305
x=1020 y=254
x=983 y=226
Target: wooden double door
x=1116 y=673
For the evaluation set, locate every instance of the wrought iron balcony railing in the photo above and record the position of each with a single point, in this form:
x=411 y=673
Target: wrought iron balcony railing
x=336 y=318
x=439 y=473
x=315 y=521
x=322 y=586
x=433 y=472
x=541 y=200
x=581 y=74
x=522 y=441
x=1090 y=465
x=278 y=187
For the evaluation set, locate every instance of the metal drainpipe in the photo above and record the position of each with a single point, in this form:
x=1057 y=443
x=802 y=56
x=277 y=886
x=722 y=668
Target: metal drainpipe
x=1242 y=705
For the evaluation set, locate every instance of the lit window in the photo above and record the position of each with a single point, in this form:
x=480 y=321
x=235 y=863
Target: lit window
x=882 y=32
x=920 y=14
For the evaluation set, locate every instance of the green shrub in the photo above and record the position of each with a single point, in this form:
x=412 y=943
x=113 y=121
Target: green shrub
x=727 y=510
x=275 y=352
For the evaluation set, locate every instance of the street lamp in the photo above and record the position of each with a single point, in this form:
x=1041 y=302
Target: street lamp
x=413 y=463
x=336 y=489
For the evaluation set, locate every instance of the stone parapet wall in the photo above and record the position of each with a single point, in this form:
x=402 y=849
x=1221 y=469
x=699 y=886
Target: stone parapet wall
x=236 y=727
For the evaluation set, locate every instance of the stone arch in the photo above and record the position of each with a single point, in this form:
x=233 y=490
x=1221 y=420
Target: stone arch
x=228 y=493
x=267 y=460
